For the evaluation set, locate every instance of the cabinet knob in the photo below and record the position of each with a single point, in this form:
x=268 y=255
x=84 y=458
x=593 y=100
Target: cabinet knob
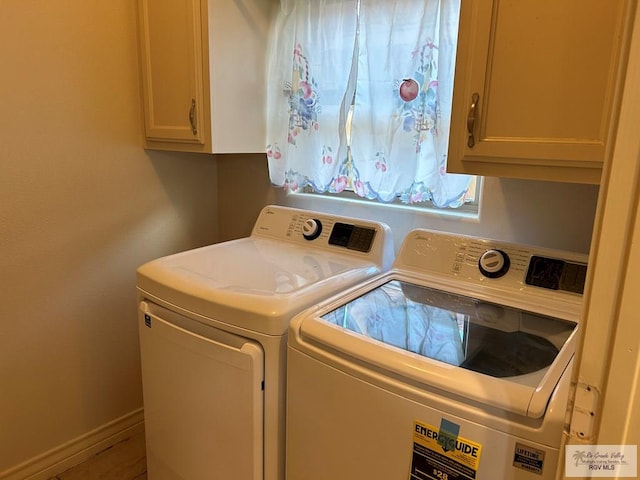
x=471 y=119
x=192 y=117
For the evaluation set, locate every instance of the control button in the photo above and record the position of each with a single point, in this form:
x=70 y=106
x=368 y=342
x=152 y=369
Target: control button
x=311 y=228
x=494 y=263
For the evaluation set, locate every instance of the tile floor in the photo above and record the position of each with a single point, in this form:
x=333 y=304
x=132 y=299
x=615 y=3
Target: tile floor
x=125 y=460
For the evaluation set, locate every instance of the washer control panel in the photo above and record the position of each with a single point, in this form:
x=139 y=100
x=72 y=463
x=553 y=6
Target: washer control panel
x=556 y=274
x=509 y=267
x=544 y=272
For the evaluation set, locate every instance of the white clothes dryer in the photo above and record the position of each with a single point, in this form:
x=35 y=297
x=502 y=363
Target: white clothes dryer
x=453 y=365
x=213 y=325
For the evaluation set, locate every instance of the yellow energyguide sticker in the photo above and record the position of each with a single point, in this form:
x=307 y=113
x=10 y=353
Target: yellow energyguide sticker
x=442 y=455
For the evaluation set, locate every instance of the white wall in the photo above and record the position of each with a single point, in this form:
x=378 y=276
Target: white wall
x=81 y=206
x=548 y=214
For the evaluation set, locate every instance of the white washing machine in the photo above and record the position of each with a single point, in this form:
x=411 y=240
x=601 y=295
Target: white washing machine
x=453 y=365
x=213 y=324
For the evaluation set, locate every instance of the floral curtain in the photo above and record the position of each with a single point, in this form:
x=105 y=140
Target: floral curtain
x=391 y=64
x=309 y=74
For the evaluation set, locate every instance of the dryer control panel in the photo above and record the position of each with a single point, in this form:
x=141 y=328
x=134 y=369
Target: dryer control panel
x=352 y=236
x=347 y=235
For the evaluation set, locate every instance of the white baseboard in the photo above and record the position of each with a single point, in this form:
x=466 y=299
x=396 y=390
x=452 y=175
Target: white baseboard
x=59 y=459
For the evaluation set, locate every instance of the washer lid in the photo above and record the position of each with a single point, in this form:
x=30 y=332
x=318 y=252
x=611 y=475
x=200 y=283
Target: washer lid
x=253 y=283
x=489 y=353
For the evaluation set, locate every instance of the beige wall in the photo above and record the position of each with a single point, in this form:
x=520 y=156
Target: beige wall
x=81 y=206
x=243 y=188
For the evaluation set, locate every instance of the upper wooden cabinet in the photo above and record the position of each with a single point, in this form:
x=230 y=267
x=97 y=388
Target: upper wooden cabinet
x=536 y=88
x=203 y=74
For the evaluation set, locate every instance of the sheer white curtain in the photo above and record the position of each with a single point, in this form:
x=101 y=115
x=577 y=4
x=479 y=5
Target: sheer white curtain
x=402 y=108
x=393 y=63
x=309 y=75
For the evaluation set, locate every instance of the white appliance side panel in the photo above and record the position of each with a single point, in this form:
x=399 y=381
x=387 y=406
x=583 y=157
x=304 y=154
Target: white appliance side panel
x=340 y=426
x=203 y=403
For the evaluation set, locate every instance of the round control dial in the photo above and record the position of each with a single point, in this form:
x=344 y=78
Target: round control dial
x=494 y=263
x=311 y=228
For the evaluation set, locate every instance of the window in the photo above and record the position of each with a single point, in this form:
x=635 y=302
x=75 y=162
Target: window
x=359 y=100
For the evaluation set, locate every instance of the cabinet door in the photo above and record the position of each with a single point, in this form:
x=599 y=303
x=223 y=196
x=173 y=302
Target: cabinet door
x=536 y=87
x=171 y=56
